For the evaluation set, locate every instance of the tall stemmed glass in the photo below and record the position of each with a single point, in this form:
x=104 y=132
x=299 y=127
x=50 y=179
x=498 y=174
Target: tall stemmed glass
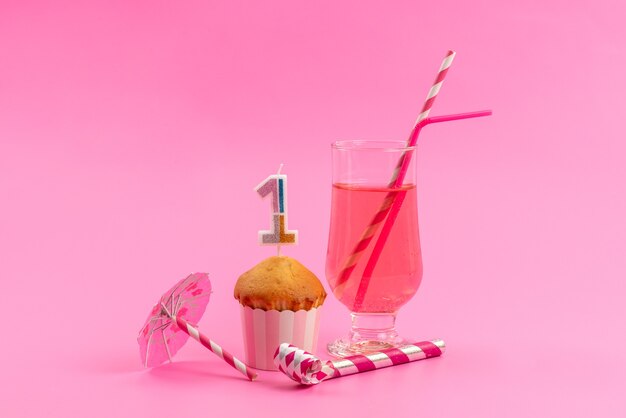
x=372 y=277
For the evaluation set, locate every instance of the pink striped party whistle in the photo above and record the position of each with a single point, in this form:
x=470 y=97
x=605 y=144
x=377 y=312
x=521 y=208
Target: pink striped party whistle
x=306 y=369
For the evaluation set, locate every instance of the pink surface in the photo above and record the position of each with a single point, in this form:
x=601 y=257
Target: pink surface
x=132 y=134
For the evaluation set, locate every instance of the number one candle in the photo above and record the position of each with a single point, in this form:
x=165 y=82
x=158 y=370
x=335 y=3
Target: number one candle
x=276 y=186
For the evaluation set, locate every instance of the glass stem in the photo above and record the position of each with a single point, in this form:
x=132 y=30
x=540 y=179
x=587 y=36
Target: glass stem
x=373 y=327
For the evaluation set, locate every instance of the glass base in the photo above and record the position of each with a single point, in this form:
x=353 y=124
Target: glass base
x=370 y=333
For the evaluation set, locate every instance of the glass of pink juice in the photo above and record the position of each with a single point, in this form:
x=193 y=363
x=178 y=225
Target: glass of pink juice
x=374 y=261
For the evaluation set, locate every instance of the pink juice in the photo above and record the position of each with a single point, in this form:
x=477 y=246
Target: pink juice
x=398 y=272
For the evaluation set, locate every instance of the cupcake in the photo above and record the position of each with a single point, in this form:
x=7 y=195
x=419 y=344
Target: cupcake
x=280 y=300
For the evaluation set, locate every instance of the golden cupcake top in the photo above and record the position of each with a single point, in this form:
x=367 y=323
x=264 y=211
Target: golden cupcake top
x=280 y=283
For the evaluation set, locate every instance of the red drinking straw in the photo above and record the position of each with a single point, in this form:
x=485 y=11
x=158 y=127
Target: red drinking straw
x=397 y=197
x=380 y=216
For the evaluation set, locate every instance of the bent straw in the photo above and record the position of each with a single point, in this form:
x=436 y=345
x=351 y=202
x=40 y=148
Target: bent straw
x=369 y=232
x=398 y=198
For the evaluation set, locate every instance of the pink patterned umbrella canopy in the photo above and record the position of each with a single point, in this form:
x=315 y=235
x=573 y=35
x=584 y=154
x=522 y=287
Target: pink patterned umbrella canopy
x=160 y=338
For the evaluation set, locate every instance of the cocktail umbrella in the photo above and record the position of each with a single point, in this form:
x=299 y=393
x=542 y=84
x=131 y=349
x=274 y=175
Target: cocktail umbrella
x=183 y=305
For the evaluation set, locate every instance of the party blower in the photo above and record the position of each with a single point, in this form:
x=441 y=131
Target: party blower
x=306 y=369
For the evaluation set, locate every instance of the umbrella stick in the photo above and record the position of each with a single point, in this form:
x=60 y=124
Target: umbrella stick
x=212 y=346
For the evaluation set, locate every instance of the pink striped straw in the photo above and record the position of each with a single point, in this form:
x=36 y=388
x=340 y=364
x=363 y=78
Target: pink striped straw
x=211 y=345
x=306 y=369
x=397 y=198
x=380 y=216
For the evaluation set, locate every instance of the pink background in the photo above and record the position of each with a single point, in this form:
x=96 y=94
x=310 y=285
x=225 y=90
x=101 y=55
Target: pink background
x=132 y=134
